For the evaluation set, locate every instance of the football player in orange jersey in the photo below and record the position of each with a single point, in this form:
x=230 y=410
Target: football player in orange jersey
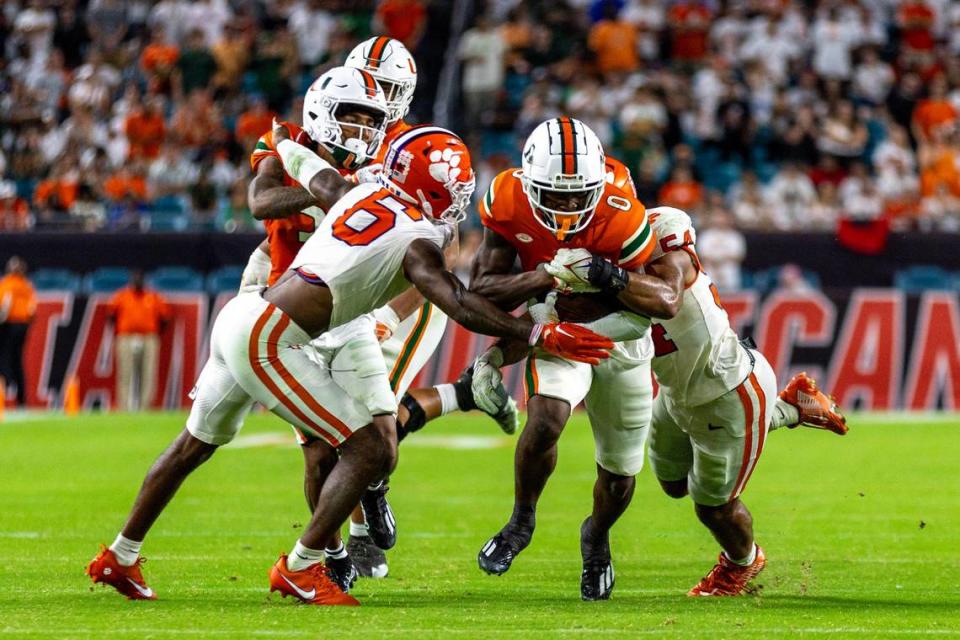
x=561 y=205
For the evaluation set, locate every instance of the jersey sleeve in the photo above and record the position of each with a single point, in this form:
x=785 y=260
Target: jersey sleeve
x=495 y=206
x=639 y=239
x=264 y=149
x=674 y=230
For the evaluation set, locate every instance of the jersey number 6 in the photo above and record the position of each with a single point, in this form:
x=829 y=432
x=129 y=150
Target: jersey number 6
x=369 y=219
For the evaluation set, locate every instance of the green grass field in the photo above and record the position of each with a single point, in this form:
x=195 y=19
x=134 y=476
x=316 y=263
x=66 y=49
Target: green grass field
x=862 y=536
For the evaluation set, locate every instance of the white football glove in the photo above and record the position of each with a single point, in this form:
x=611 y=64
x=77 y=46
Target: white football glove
x=256 y=273
x=488 y=391
x=366 y=174
x=544 y=312
x=571 y=267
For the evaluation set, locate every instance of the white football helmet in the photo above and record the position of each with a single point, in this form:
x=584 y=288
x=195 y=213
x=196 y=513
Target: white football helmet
x=563 y=157
x=391 y=64
x=339 y=91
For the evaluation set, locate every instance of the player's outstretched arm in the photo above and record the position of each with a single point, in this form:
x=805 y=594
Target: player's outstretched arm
x=269 y=198
x=424 y=267
x=490 y=275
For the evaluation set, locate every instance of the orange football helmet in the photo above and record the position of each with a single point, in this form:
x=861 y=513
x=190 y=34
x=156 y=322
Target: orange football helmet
x=430 y=168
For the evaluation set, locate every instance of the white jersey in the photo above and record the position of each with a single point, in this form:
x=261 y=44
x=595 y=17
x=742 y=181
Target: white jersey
x=358 y=249
x=698 y=356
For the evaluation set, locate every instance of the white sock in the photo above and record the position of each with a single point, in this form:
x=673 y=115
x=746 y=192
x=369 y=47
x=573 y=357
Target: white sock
x=126 y=550
x=358 y=529
x=448 y=398
x=302 y=557
x=746 y=562
x=338 y=553
x=784 y=415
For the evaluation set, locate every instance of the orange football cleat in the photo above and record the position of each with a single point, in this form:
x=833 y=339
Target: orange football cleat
x=311 y=585
x=727 y=578
x=816 y=408
x=127 y=580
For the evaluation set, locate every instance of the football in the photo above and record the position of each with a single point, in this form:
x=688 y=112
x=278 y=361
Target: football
x=587 y=307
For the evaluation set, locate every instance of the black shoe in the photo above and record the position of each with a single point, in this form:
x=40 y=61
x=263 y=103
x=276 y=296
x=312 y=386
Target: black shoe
x=342 y=571
x=498 y=553
x=368 y=558
x=381 y=524
x=596 y=580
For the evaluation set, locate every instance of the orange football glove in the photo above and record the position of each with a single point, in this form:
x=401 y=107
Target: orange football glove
x=571 y=341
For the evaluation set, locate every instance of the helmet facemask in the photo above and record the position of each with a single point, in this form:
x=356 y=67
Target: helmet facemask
x=364 y=141
x=561 y=221
x=399 y=95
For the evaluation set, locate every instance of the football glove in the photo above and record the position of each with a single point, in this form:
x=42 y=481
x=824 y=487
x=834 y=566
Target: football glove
x=387 y=322
x=487 y=388
x=256 y=273
x=579 y=268
x=544 y=312
x=571 y=268
x=366 y=174
x=571 y=341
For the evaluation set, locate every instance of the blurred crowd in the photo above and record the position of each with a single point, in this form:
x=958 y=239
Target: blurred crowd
x=778 y=115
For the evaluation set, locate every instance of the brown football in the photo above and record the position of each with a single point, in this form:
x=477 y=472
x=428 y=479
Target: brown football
x=587 y=307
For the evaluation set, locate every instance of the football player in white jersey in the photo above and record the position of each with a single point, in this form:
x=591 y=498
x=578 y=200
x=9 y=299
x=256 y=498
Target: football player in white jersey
x=717 y=401
x=377 y=240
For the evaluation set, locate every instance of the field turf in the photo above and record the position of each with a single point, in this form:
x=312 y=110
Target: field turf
x=862 y=536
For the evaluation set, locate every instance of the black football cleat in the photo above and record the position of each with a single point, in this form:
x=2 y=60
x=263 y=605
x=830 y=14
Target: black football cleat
x=368 y=558
x=498 y=553
x=597 y=578
x=342 y=571
x=381 y=525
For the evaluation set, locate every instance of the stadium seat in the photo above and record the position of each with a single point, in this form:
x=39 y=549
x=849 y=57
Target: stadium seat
x=175 y=279
x=923 y=278
x=106 y=280
x=55 y=280
x=224 y=279
x=168 y=220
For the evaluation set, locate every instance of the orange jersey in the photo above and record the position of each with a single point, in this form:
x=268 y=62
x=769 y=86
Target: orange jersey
x=285 y=235
x=138 y=312
x=618 y=232
x=18 y=298
x=393 y=132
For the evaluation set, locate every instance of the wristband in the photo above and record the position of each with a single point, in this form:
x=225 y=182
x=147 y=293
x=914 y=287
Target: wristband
x=301 y=163
x=535 y=335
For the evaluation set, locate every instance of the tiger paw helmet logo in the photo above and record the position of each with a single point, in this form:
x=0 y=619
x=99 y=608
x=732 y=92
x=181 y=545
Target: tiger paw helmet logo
x=444 y=165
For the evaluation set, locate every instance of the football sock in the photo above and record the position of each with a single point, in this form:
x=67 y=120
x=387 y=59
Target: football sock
x=336 y=554
x=784 y=415
x=358 y=530
x=448 y=398
x=126 y=550
x=745 y=562
x=523 y=520
x=302 y=557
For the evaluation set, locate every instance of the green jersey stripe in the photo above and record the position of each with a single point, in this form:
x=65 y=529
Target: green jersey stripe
x=635 y=243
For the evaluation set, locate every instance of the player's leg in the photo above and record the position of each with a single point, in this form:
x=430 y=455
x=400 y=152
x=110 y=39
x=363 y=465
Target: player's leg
x=218 y=410
x=619 y=406
x=148 y=371
x=124 y=360
x=671 y=452
x=728 y=437
x=306 y=396
x=554 y=386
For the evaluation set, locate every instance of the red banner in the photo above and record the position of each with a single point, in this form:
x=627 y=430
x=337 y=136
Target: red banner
x=872 y=348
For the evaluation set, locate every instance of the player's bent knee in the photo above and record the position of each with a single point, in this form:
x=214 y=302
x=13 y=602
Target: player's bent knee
x=618 y=487
x=675 y=488
x=713 y=514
